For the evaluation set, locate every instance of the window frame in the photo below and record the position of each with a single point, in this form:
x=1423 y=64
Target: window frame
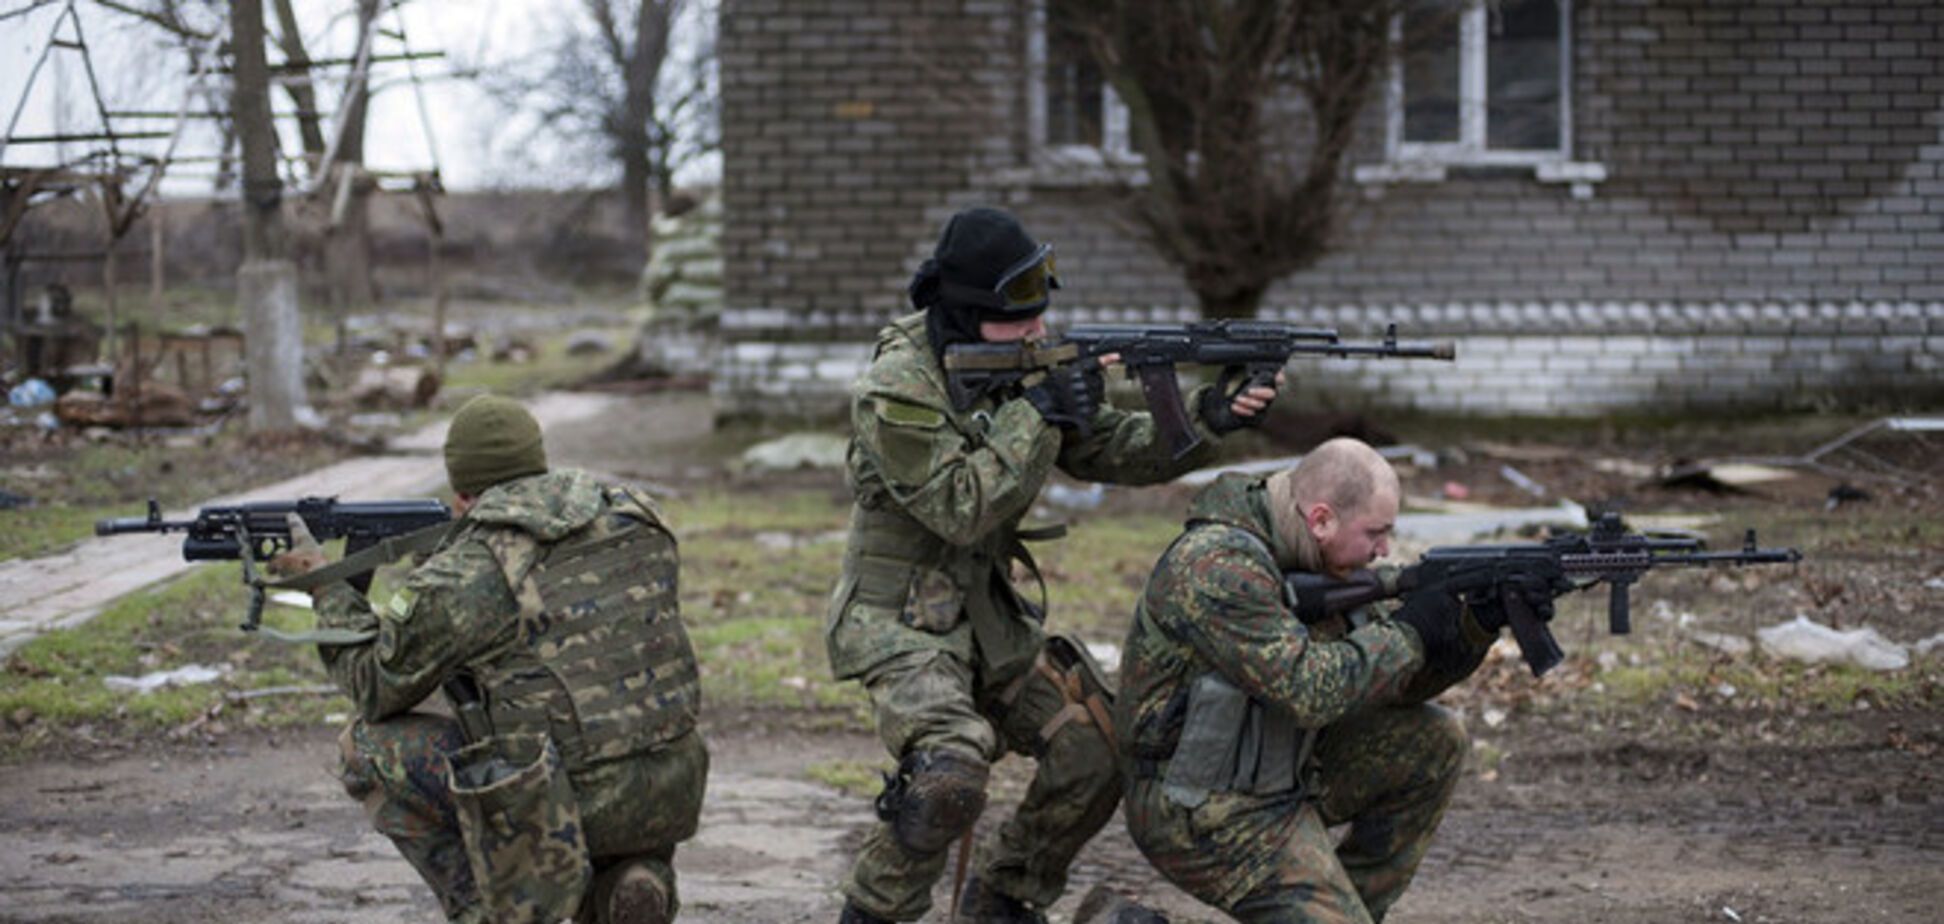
x=1116 y=146
x=1473 y=57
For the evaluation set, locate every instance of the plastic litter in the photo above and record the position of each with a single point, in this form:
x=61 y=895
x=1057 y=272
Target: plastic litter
x=186 y=675
x=1076 y=498
x=1522 y=481
x=31 y=393
x=1803 y=639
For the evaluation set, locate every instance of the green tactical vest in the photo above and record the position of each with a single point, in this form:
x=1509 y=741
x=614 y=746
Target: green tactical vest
x=893 y=563
x=602 y=663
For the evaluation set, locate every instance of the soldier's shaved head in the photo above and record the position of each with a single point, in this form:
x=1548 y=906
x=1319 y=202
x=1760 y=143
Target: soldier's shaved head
x=1340 y=500
x=1344 y=473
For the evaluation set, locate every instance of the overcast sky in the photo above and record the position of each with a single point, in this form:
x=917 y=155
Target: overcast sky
x=473 y=142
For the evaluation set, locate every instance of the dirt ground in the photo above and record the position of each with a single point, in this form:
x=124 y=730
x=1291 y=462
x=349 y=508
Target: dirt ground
x=1720 y=808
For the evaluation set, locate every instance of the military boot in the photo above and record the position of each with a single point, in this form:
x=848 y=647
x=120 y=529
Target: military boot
x=979 y=904
x=855 y=915
x=631 y=893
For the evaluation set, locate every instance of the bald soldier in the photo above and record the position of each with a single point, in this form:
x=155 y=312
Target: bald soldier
x=1247 y=734
x=547 y=616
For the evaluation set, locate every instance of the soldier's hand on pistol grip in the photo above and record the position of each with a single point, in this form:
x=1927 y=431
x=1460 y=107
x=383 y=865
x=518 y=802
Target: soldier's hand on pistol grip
x=1233 y=403
x=1434 y=613
x=1068 y=396
x=304 y=556
x=1537 y=585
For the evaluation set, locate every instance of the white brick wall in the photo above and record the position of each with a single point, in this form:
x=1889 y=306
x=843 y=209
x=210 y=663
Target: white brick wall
x=1560 y=359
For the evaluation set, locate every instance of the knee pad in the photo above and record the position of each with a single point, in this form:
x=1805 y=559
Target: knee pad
x=933 y=799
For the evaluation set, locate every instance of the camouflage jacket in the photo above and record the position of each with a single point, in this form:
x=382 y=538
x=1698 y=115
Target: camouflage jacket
x=456 y=612
x=939 y=496
x=1214 y=604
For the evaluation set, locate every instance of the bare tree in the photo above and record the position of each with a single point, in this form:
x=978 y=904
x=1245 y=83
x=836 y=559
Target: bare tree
x=609 y=75
x=1239 y=191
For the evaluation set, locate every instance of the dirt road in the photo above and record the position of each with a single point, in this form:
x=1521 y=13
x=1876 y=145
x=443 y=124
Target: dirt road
x=257 y=830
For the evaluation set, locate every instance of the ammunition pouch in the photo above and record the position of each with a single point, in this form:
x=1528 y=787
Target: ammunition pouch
x=521 y=826
x=1232 y=743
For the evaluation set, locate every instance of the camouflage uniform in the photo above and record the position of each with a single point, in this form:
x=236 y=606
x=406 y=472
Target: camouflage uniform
x=535 y=596
x=1219 y=683
x=954 y=658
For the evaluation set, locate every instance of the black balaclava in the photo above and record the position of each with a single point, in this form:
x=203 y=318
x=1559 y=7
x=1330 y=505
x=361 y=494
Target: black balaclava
x=960 y=285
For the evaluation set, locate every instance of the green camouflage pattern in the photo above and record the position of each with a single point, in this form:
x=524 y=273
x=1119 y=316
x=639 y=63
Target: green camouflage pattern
x=521 y=827
x=938 y=489
x=458 y=613
x=926 y=701
x=926 y=616
x=1215 y=604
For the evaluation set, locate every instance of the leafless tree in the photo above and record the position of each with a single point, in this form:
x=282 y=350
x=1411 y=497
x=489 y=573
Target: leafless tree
x=612 y=74
x=1240 y=191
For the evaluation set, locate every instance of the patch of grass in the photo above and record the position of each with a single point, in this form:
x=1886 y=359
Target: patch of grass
x=851 y=777
x=33 y=531
x=59 y=678
x=77 y=484
x=551 y=366
x=1094 y=576
x=1762 y=683
x=769 y=661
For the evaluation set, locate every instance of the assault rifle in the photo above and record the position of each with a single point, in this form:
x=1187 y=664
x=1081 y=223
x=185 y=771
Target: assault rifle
x=258 y=532
x=1151 y=352
x=1482 y=573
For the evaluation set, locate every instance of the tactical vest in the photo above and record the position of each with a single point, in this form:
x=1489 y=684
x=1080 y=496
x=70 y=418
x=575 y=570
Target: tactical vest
x=602 y=663
x=1230 y=741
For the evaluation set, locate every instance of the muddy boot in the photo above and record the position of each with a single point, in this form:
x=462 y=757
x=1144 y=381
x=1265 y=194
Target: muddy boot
x=980 y=905
x=1102 y=906
x=631 y=893
x=855 y=915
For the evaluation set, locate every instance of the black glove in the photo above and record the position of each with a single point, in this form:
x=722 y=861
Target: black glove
x=1068 y=396
x=1536 y=583
x=1434 y=613
x=1218 y=402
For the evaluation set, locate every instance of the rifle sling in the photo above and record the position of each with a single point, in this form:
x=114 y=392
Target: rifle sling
x=369 y=558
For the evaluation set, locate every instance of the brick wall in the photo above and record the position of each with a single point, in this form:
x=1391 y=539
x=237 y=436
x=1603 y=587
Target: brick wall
x=1771 y=232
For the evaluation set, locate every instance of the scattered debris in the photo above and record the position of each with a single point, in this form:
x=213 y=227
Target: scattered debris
x=1525 y=453
x=1086 y=497
x=1522 y=481
x=11 y=501
x=1437 y=521
x=1735 y=646
x=153 y=405
x=1929 y=645
x=588 y=343
x=31 y=393
x=1811 y=642
x=1626 y=468
x=1722 y=478
x=1843 y=494
x=186 y=675
x=1200 y=477
x=798 y=450
x=1454 y=490
x=395 y=386
x=1936 y=583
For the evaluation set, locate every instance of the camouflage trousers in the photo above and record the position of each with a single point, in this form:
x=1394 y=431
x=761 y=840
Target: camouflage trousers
x=936 y=701
x=1388 y=772
x=633 y=811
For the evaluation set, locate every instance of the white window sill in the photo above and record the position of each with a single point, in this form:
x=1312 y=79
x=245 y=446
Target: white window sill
x=1580 y=176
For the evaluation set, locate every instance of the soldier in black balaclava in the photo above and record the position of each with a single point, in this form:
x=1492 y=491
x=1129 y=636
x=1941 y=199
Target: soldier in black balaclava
x=959 y=663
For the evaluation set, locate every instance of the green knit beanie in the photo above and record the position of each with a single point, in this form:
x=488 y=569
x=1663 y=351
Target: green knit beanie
x=492 y=439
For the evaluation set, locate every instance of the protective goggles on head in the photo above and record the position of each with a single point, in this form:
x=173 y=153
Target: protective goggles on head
x=1021 y=292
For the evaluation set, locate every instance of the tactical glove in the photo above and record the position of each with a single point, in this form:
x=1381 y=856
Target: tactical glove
x=305 y=554
x=1218 y=402
x=1433 y=613
x=1068 y=397
x=1536 y=584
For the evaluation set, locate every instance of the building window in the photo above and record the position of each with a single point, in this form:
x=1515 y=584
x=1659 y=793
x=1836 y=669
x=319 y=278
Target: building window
x=1074 y=115
x=1482 y=83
